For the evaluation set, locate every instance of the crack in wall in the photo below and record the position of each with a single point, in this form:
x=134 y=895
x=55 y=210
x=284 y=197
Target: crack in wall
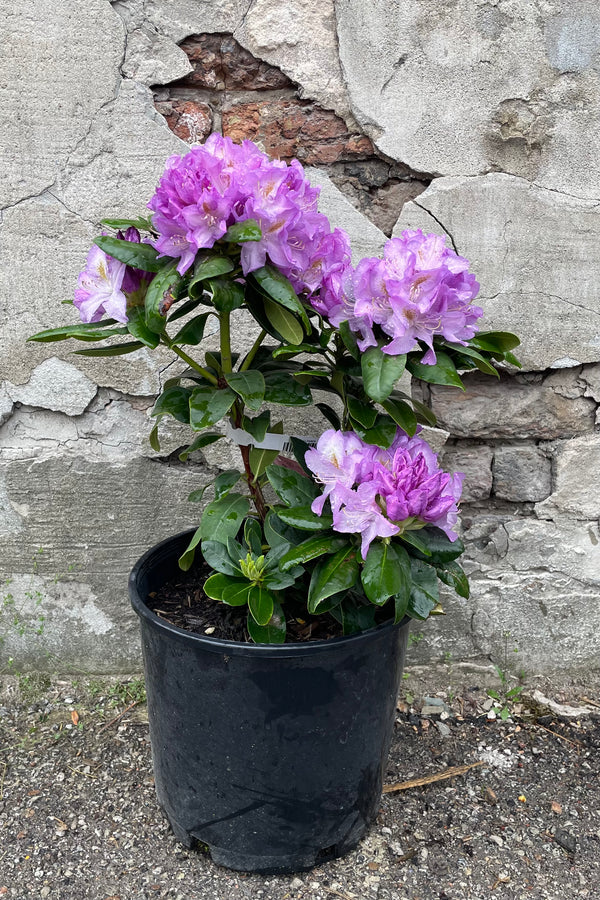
x=435 y=219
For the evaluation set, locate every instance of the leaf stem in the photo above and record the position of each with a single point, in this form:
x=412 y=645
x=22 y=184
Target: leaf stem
x=192 y=363
x=253 y=351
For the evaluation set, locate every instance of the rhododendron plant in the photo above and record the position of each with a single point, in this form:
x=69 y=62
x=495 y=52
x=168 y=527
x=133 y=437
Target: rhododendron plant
x=364 y=525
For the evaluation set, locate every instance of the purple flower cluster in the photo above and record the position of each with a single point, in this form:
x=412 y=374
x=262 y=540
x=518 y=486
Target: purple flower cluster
x=105 y=285
x=420 y=289
x=212 y=187
x=380 y=493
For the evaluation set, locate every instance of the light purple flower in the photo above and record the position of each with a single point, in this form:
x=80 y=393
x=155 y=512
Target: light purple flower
x=203 y=193
x=420 y=289
x=99 y=288
x=378 y=493
x=106 y=285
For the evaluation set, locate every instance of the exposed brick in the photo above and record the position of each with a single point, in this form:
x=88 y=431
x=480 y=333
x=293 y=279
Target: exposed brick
x=289 y=128
x=220 y=63
x=242 y=71
x=190 y=121
x=204 y=53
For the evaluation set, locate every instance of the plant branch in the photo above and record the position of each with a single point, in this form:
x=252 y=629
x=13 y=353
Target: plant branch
x=225 y=340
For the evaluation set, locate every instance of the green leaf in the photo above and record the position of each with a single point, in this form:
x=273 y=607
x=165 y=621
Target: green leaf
x=226 y=295
x=349 y=339
x=412 y=538
x=261 y=602
x=363 y=413
x=253 y=536
x=197 y=495
x=452 y=575
x=208 y=405
x=380 y=372
x=401 y=602
x=310 y=549
x=202 y=440
x=174 y=401
x=139 y=330
x=495 y=341
x=402 y=415
x=299 y=449
x=261 y=459
x=142 y=224
x=482 y=364
x=280 y=388
x=187 y=557
x=216 y=585
x=284 y=322
x=258 y=426
x=222 y=518
x=356 y=617
x=512 y=359
x=386 y=572
x=250 y=385
x=225 y=481
x=277 y=533
x=444 y=371
x=304 y=518
x=192 y=332
x=277 y=286
x=159 y=296
x=153 y=439
x=292 y=487
x=424 y=595
x=330 y=414
x=82 y=331
x=271 y=633
x=294 y=350
x=236 y=594
x=115 y=350
x=336 y=573
x=241 y=232
x=441 y=548
x=209 y=267
x=139 y=256
x=183 y=310
x=382 y=434
x=217 y=557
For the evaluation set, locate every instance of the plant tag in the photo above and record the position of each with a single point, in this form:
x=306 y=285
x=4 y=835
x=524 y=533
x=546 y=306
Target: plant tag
x=280 y=442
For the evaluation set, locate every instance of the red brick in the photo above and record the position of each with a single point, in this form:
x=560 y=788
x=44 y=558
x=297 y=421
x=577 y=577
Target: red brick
x=190 y=121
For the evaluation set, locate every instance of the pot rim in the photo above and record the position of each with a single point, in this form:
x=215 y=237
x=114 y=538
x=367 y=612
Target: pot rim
x=221 y=645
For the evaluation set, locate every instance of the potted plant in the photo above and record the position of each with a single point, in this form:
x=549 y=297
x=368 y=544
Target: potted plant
x=270 y=733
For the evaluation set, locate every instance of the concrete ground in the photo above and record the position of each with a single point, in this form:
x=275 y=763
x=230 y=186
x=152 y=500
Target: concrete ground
x=79 y=820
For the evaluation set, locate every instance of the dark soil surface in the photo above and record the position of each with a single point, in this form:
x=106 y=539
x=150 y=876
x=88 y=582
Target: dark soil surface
x=79 y=819
x=182 y=602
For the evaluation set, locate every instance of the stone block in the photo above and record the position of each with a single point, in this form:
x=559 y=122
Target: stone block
x=534 y=252
x=515 y=407
x=55 y=384
x=75 y=527
x=50 y=94
x=476 y=464
x=522 y=473
x=465 y=88
x=534 y=588
x=576 y=480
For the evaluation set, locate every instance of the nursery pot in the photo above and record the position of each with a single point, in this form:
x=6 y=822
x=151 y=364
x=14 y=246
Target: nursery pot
x=272 y=755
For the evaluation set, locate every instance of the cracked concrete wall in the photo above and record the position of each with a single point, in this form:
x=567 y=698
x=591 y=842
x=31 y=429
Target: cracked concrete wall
x=478 y=119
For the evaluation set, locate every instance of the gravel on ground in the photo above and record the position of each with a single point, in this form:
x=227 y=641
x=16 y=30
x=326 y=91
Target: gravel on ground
x=79 y=819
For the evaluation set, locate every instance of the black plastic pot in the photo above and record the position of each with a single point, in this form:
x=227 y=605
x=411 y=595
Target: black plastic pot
x=273 y=756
